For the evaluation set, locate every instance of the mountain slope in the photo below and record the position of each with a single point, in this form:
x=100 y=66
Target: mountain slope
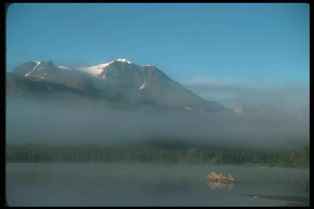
x=147 y=84
x=49 y=72
x=117 y=81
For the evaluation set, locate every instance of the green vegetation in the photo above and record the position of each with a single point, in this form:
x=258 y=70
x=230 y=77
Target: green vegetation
x=156 y=153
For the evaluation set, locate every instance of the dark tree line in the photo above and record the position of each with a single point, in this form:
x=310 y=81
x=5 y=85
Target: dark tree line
x=154 y=153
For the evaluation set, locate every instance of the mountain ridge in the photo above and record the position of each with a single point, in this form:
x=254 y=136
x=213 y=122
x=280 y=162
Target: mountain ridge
x=118 y=80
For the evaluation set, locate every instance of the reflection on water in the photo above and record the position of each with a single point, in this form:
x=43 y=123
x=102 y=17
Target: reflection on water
x=291 y=200
x=220 y=181
x=220 y=186
x=140 y=184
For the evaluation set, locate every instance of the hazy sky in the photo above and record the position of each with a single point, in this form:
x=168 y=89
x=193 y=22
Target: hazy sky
x=258 y=44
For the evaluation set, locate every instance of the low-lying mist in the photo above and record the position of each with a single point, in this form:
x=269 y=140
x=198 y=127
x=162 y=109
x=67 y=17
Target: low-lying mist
x=53 y=122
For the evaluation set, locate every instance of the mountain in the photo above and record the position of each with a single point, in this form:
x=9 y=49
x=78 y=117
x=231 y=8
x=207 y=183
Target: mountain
x=47 y=71
x=118 y=81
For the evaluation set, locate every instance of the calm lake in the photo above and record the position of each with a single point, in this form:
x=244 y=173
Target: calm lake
x=145 y=184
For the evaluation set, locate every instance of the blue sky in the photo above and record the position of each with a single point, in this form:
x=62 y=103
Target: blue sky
x=258 y=44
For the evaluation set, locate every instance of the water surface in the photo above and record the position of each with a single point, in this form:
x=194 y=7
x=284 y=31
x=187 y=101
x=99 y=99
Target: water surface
x=144 y=184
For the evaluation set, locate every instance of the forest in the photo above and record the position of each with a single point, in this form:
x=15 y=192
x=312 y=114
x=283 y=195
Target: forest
x=157 y=152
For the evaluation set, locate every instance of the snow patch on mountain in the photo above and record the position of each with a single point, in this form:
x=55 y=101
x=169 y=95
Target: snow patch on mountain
x=96 y=70
x=188 y=108
x=142 y=86
x=63 y=67
x=34 y=68
x=123 y=60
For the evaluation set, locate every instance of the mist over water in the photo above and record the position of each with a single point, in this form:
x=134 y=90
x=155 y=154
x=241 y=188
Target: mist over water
x=132 y=184
x=72 y=122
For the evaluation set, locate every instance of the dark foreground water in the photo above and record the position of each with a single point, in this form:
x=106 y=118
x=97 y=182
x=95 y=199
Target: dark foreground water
x=141 y=184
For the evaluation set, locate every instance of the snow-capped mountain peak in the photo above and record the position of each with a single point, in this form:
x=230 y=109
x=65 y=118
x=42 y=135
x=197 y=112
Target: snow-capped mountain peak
x=123 y=60
x=119 y=80
x=97 y=70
